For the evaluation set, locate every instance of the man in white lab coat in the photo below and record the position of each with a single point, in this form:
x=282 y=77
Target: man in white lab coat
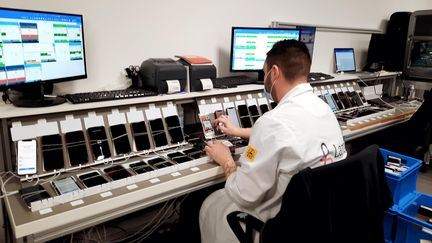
x=300 y=132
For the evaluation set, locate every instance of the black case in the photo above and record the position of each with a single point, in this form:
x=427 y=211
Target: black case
x=397 y=34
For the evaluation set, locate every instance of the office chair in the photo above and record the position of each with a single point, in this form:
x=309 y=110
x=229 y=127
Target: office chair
x=413 y=137
x=341 y=202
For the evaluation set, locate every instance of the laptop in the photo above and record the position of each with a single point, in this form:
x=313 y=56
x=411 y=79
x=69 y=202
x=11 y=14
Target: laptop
x=345 y=62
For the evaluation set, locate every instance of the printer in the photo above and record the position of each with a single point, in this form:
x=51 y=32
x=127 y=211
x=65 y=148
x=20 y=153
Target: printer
x=200 y=76
x=163 y=75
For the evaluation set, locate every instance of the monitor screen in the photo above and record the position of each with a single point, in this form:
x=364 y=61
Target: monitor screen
x=40 y=46
x=344 y=60
x=249 y=46
x=308 y=37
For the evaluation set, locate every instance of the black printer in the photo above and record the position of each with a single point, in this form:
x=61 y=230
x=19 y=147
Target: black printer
x=200 y=76
x=163 y=75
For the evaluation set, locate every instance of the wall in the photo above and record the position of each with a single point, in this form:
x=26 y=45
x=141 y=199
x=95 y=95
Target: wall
x=120 y=33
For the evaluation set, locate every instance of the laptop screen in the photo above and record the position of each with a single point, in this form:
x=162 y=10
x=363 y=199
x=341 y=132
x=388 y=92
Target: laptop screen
x=344 y=60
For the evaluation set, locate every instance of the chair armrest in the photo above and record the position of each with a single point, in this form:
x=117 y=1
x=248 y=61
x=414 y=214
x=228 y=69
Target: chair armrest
x=252 y=224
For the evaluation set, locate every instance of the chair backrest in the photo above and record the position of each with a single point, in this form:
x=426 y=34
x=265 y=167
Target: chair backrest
x=340 y=202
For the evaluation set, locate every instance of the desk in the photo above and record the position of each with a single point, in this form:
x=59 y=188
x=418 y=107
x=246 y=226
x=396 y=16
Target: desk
x=65 y=218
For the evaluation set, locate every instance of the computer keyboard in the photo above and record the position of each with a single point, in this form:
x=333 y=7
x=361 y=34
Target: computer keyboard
x=317 y=76
x=232 y=81
x=108 y=95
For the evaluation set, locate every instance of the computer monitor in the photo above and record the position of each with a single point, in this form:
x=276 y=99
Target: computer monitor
x=344 y=60
x=308 y=37
x=39 y=48
x=249 y=46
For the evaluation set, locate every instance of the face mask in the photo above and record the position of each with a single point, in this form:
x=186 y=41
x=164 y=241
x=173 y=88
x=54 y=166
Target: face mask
x=268 y=94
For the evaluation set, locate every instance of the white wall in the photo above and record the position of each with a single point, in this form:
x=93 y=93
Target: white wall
x=120 y=33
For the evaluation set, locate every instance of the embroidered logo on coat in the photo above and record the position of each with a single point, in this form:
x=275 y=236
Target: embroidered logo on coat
x=250 y=153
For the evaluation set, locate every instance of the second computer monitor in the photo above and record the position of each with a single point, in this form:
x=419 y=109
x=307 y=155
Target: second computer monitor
x=249 y=46
x=344 y=60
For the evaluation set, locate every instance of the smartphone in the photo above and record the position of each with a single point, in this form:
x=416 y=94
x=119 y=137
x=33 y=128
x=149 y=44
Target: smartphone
x=345 y=101
x=273 y=105
x=52 y=152
x=99 y=142
x=26 y=157
x=242 y=110
x=140 y=135
x=232 y=115
x=218 y=113
x=76 y=147
x=208 y=129
x=33 y=194
x=193 y=153
x=141 y=167
x=120 y=139
x=159 y=163
x=65 y=185
x=356 y=98
x=92 y=179
x=246 y=121
x=338 y=101
x=330 y=101
x=253 y=110
x=158 y=132
x=117 y=172
x=264 y=108
x=174 y=129
x=175 y=154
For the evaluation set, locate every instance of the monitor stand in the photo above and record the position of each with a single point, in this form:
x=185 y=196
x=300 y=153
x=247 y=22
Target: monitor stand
x=34 y=95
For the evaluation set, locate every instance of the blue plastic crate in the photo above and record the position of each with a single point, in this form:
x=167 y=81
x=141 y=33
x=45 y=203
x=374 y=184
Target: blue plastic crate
x=409 y=228
x=390 y=218
x=403 y=185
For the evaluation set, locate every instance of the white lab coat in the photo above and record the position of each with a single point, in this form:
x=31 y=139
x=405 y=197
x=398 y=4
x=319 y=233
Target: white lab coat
x=300 y=132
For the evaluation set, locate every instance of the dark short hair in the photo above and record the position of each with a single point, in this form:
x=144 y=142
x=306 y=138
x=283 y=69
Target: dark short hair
x=292 y=57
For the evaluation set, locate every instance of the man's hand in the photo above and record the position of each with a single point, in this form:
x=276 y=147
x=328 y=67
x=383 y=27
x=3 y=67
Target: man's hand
x=224 y=124
x=221 y=154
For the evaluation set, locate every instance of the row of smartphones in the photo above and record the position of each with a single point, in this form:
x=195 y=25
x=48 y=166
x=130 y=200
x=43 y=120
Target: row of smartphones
x=52 y=146
x=344 y=100
x=99 y=177
x=244 y=116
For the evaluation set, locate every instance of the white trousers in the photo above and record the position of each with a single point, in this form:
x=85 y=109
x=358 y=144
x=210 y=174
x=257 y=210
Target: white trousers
x=213 y=223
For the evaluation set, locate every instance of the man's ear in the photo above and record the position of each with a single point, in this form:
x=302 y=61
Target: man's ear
x=277 y=72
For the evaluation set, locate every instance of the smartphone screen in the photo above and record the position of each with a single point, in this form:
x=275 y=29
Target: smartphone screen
x=330 y=102
x=246 y=121
x=193 y=153
x=346 y=103
x=208 y=129
x=338 y=101
x=273 y=105
x=52 y=152
x=174 y=129
x=120 y=139
x=33 y=193
x=92 y=179
x=242 y=110
x=76 y=147
x=140 y=135
x=232 y=115
x=65 y=185
x=26 y=157
x=218 y=113
x=264 y=108
x=253 y=110
x=141 y=167
x=159 y=163
x=98 y=142
x=117 y=172
x=158 y=132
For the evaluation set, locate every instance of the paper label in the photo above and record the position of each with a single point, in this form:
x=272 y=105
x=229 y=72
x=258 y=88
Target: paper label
x=26 y=157
x=173 y=86
x=206 y=83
